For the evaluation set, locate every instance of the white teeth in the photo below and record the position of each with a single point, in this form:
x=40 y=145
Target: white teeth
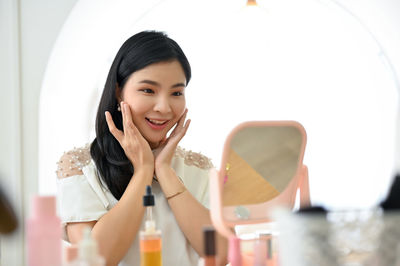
x=156 y=122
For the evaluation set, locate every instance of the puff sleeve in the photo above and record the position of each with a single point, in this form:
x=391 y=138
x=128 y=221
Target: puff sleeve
x=193 y=169
x=80 y=195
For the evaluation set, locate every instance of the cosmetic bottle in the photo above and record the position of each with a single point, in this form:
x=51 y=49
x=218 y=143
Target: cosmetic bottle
x=43 y=229
x=150 y=238
x=260 y=253
x=234 y=252
x=209 y=246
x=88 y=254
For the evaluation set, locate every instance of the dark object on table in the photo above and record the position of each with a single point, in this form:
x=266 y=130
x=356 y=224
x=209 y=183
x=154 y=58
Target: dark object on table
x=8 y=221
x=392 y=201
x=313 y=210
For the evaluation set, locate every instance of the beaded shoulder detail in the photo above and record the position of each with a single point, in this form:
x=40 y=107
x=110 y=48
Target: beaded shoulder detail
x=194 y=158
x=72 y=162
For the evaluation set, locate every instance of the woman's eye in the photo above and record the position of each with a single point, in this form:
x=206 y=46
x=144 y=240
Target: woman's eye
x=177 y=93
x=147 y=90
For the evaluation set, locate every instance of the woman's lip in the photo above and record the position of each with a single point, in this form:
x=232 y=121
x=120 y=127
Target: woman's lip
x=157 y=127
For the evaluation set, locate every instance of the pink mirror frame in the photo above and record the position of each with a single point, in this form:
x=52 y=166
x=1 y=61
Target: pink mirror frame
x=223 y=217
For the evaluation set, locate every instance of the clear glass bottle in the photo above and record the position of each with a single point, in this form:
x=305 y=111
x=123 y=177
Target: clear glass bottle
x=150 y=238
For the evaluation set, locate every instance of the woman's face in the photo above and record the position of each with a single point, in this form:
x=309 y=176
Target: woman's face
x=156 y=97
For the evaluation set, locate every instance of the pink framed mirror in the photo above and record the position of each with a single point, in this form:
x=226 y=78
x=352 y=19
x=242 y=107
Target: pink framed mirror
x=261 y=167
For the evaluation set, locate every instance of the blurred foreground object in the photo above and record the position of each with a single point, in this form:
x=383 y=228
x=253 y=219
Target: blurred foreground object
x=8 y=221
x=392 y=201
x=339 y=238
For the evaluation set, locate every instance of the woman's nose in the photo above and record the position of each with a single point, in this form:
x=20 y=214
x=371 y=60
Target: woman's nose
x=162 y=105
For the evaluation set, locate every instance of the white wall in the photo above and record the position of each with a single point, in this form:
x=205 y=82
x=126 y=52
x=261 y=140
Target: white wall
x=383 y=20
x=28 y=30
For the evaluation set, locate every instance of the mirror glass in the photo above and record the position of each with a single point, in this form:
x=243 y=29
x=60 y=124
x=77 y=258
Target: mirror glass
x=260 y=162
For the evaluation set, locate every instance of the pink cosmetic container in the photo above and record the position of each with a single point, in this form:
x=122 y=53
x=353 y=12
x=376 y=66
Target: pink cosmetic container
x=43 y=229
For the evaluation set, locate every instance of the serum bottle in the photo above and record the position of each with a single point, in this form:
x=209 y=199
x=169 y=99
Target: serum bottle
x=150 y=238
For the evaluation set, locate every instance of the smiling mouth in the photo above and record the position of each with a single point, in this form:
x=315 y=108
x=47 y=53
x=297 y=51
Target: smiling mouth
x=157 y=122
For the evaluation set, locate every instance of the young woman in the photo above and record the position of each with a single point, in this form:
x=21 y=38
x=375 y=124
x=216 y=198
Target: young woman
x=102 y=185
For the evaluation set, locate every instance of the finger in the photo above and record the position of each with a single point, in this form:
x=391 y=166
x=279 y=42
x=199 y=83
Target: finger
x=186 y=127
x=163 y=141
x=182 y=119
x=113 y=129
x=124 y=118
x=183 y=130
x=177 y=137
x=180 y=124
x=131 y=128
x=187 y=124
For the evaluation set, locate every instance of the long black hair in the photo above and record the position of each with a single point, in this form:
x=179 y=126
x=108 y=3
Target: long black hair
x=139 y=51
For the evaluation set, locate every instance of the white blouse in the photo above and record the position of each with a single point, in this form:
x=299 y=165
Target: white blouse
x=82 y=197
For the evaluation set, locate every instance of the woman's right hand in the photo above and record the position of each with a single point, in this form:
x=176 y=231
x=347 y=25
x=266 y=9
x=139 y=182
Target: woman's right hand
x=136 y=147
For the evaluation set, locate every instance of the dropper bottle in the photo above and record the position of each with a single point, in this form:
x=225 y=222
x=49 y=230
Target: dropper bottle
x=150 y=238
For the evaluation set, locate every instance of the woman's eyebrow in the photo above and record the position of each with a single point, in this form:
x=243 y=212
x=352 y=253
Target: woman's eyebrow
x=151 y=82
x=177 y=85
x=154 y=83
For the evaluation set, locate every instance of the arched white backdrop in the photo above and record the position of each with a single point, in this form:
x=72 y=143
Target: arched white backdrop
x=307 y=60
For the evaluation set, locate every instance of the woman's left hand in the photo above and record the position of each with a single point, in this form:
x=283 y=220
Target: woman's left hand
x=164 y=153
